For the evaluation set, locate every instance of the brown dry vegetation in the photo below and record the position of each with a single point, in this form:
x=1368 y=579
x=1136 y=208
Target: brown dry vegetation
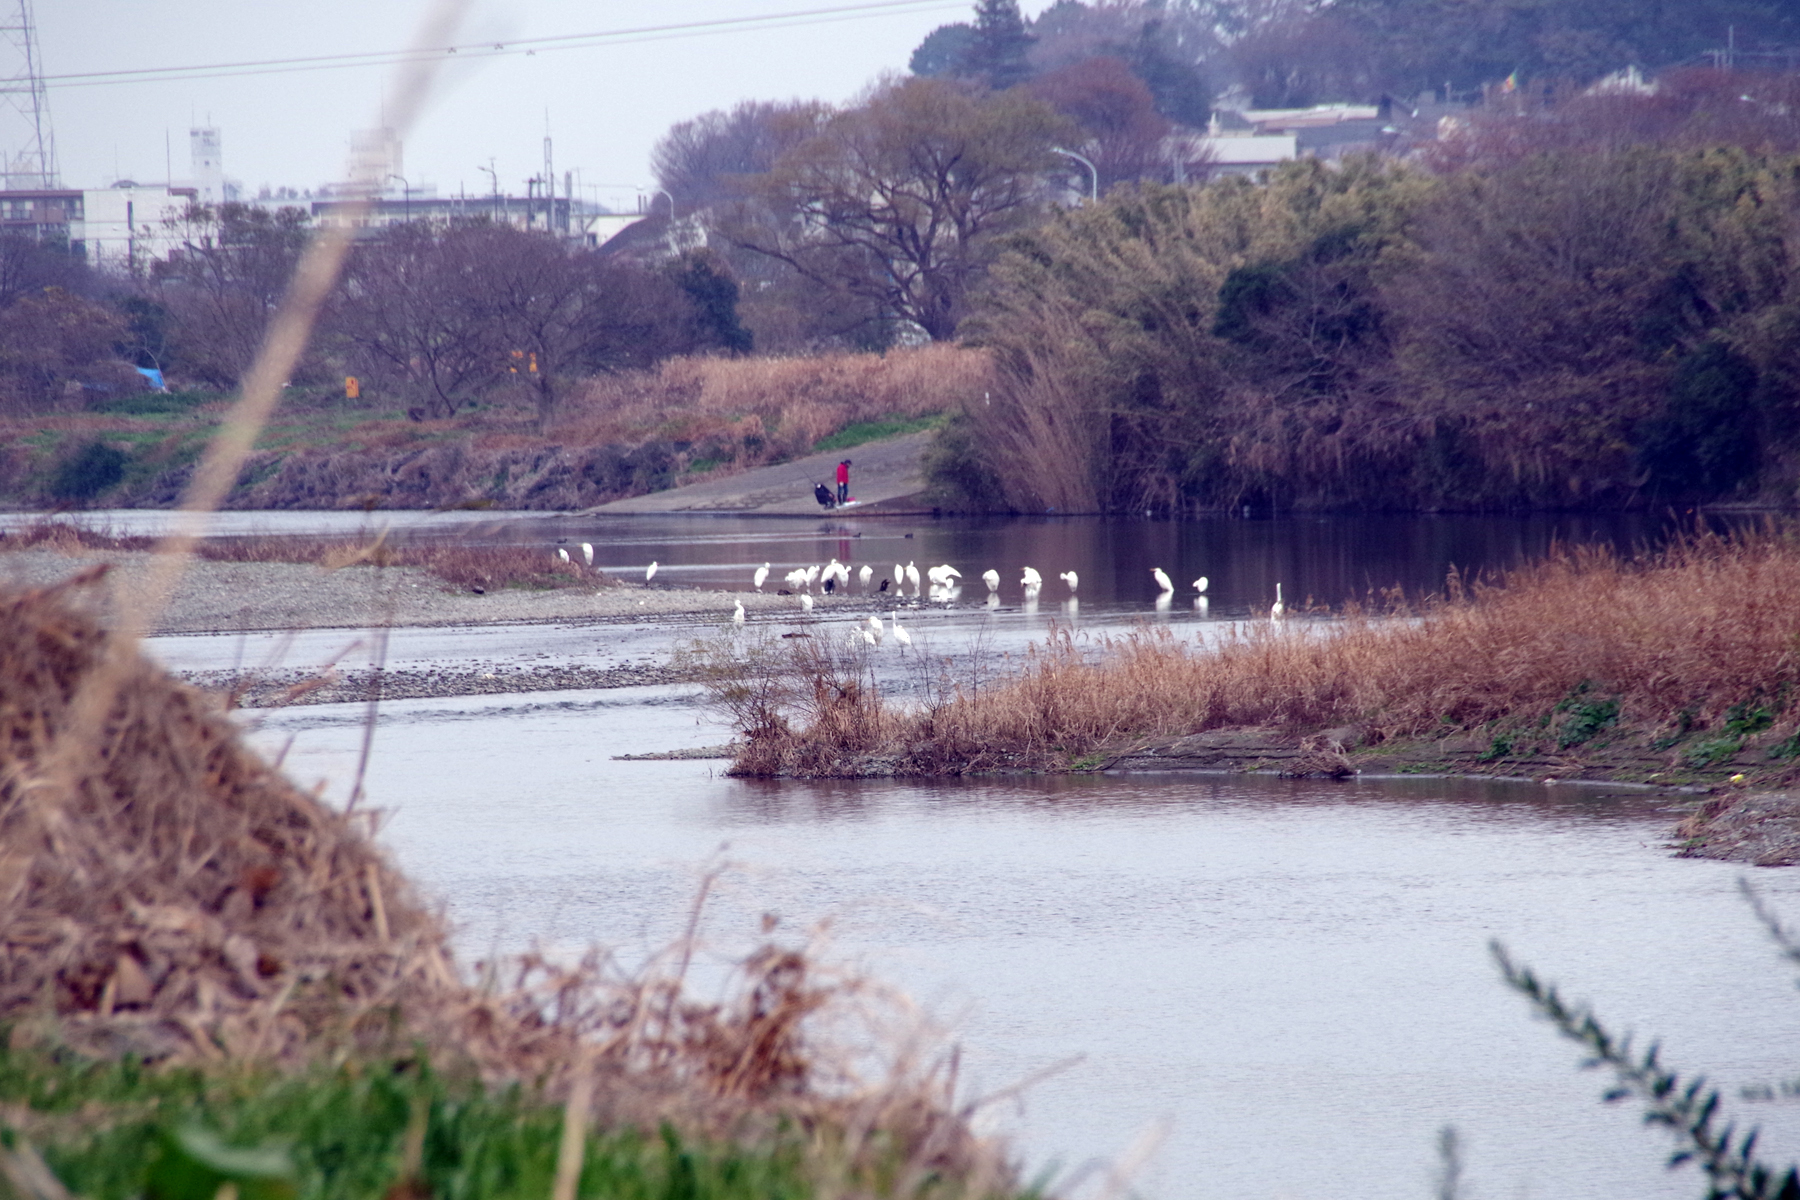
x=1695 y=651
x=166 y=893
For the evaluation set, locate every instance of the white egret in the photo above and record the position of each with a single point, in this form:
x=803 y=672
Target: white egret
x=562 y=554
x=868 y=638
x=806 y=601
x=991 y=577
x=1280 y=609
x=1162 y=579
x=1031 y=579
x=901 y=636
x=912 y=577
x=899 y=576
x=587 y=553
x=1070 y=578
x=737 y=615
x=650 y=572
x=864 y=575
x=875 y=627
x=812 y=576
x=1200 y=585
x=760 y=577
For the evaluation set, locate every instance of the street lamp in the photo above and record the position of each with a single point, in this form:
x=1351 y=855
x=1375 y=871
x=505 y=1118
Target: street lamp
x=494 y=204
x=1093 y=171
x=405 y=199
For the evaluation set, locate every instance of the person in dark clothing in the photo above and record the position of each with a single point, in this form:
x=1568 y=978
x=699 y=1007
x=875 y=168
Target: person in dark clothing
x=843 y=481
x=822 y=494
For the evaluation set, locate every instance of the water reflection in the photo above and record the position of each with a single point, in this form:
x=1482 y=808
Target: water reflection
x=1320 y=560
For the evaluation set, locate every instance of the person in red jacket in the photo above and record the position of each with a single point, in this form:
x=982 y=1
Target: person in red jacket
x=843 y=481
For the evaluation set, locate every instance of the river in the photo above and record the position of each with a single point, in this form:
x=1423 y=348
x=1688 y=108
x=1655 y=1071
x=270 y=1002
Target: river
x=1292 y=978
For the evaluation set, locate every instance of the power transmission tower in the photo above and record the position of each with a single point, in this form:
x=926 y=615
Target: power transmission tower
x=26 y=140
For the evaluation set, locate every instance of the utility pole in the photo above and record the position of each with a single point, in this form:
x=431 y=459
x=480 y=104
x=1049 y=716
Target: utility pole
x=30 y=144
x=549 y=182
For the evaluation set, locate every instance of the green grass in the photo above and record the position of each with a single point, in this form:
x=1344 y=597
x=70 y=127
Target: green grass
x=873 y=431
x=158 y=404
x=110 y=1130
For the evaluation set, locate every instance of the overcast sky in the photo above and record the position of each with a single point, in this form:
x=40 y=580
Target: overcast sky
x=606 y=104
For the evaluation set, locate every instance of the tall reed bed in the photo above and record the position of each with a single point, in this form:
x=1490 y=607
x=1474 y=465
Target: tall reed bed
x=1703 y=636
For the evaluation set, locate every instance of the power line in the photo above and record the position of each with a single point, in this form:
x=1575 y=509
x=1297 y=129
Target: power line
x=573 y=41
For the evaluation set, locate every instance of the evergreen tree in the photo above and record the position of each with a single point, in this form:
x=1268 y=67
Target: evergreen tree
x=997 y=52
x=943 y=51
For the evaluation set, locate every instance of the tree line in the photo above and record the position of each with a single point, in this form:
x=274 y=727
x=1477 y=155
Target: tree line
x=430 y=319
x=1595 y=306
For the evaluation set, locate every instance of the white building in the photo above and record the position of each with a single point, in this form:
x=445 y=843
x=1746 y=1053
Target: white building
x=124 y=226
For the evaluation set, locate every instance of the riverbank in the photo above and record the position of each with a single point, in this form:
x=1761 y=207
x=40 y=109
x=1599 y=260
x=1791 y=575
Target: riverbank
x=234 y=597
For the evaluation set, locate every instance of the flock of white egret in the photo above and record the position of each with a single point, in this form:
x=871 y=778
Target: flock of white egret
x=944 y=580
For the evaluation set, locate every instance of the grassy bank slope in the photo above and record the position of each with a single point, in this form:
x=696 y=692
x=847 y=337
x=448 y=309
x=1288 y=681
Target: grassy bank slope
x=1691 y=657
x=614 y=437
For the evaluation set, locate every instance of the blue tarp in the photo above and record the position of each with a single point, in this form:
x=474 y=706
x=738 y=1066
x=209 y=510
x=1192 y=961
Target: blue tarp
x=155 y=377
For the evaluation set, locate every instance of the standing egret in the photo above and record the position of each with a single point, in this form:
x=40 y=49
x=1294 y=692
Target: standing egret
x=806 y=601
x=912 y=577
x=1200 y=585
x=867 y=637
x=901 y=636
x=650 y=572
x=863 y=576
x=1280 y=609
x=812 y=576
x=737 y=615
x=562 y=554
x=587 y=553
x=1070 y=578
x=1031 y=580
x=991 y=577
x=760 y=577
x=875 y=627
x=1162 y=579
x=899 y=576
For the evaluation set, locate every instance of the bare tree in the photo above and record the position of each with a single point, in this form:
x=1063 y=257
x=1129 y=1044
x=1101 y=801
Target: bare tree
x=900 y=201
x=414 y=316
x=224 y=280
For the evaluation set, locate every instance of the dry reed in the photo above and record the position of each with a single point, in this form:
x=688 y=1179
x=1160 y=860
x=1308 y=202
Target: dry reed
x=758 y=410
x=1701 y=636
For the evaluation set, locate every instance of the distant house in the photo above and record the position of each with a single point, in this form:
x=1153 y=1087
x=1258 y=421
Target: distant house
x=1243 y=154
x=117 y=227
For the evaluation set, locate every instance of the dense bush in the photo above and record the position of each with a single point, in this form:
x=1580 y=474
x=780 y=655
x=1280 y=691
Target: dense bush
x=1571 y=327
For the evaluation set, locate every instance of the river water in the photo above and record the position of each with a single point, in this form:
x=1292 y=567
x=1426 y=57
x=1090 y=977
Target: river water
x=1290 y=978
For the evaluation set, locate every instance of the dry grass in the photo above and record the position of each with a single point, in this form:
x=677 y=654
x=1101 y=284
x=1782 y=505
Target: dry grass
x=179 y=899
x=1701 y=637
x=752 y=411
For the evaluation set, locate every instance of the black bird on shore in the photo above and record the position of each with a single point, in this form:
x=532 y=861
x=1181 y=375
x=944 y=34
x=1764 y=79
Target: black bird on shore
x=884 y=585
x=830 y=586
